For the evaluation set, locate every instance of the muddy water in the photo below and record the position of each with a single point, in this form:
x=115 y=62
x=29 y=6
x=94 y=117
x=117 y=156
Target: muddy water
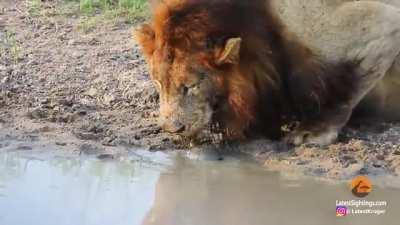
x=155 y=188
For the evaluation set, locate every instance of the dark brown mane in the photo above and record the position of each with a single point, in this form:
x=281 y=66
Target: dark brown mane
x=279 y=76
x=183 y=23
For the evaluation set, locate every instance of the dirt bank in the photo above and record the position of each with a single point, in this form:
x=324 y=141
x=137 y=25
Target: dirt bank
x=89 y=89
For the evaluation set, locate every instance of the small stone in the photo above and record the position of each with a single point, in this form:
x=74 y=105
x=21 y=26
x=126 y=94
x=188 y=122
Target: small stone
x=380 y=157
x=32 y=63
x=38 y=113
x=24 y=148
x=72 y=42
x=57 y=108
x=378 y=164
x=108 y=99
x=78 y=54
x=66 y=102
x=4 y=80
x=61 y=143
x=96 y=127
x=105 y=156
x=88 y=149
x=66 y=118
x=9 y=71
x=81 y=112
x=44 y=101
x=92 y=92
x=44 y=129
x=108 y=141
x=93 y=41
x=87 y=135
x=319 y=171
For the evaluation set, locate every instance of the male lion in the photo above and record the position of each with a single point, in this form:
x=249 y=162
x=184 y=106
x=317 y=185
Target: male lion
x=244 y=68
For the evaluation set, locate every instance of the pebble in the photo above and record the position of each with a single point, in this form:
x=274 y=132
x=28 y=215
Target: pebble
x=108 y=141
x=72 y=42
x=88 y=149
x=87 y=135
x=5 y=79
x=92 y=92
x=61 y=143
x=105 y=156
x=24 y=148
x=38 y=113
x=108 y=99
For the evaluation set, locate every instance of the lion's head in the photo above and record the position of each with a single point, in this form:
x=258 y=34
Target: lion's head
x=205 y=60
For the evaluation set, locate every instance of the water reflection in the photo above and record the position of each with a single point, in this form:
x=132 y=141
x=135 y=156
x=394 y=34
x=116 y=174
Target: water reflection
x=154 y=188
x=241 y=193
x=74 y=191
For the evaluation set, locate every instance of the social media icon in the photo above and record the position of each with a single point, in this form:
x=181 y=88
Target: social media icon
x=341 y=211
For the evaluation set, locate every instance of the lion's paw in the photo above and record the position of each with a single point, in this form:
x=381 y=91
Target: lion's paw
x=299 y=137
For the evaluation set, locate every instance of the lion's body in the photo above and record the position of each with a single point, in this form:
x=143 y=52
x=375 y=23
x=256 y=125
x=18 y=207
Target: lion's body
x=332 y=29
x=250 y=67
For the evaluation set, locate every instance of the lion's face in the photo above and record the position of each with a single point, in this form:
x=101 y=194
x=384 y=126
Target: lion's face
x=188 y=93
x=191 y=84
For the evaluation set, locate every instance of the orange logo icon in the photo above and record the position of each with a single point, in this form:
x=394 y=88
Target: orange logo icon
x=361 y=186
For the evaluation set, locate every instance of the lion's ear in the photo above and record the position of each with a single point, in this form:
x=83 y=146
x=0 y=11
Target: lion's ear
x=145 y=37
x=231 y=52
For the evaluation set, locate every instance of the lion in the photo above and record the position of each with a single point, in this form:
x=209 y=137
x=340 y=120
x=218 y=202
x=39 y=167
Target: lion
x=244 y=69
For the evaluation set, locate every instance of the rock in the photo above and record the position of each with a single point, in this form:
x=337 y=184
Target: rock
x=38 y=113
x=9 y=71
x=61 y=143
x=32 y=63
x=380 y=157
x=72 y=42
x=66 y=118
x=378 y=164
x=4 y=80
x=78 y=54
x=69 y=102
x=109 y=141
x=108 y=99
x=87 y=135
x=93 y=41
x=105 y=156
x=92 y=92
x=91 y=131
x=45 y=129
x=96 y=127
x=347 y=160
x=44 y=101
x=24 y=148
x=88 y=149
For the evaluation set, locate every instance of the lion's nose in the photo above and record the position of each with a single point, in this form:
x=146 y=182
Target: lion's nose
x=173 y=126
